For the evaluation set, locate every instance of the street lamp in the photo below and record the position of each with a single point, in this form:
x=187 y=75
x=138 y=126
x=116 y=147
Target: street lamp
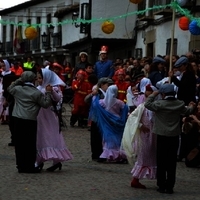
x=74 y=18
x=85 y=15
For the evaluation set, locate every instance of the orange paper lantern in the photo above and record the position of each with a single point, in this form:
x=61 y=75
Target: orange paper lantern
x=184 y=23
x=30 y=33
x=135 y=1
x=108 y=27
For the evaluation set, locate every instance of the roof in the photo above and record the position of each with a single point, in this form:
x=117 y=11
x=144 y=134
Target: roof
x=64 y=11
x=21 y=6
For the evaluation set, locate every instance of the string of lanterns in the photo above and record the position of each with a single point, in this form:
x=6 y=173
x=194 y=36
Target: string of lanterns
x=187 y=22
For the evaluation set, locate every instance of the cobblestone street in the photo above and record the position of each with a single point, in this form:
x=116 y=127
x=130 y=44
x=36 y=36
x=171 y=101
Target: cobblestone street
x=82 y=178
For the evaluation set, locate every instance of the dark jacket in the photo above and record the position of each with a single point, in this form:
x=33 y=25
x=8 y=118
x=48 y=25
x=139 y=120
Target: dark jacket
x=186 y=87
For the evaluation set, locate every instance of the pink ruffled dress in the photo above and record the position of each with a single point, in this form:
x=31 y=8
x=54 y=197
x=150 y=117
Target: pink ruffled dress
x=50 y=142
x=145 y=146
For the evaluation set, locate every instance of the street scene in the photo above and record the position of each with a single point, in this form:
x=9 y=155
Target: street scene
x=99 y=100
x=84 y=179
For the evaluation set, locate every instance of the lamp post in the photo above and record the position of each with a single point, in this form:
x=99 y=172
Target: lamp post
x=85 y=15
x=74 y=18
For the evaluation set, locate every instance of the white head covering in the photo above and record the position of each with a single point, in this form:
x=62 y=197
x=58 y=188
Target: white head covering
x=143 y=83
x=110 y=96
x=50 y=78
x=7 y=70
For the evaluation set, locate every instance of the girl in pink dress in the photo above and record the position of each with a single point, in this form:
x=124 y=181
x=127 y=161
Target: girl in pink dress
x=50 y=141
x=140 y=141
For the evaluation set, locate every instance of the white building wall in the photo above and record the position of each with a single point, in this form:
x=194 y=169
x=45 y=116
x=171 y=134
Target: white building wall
x=163 y=32
x=105 y=9
x=35 y=11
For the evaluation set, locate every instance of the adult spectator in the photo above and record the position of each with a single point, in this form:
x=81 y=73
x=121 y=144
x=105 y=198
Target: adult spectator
x=157 y=71
x=16 y=69
x=83 y=62
x=28 y=65
x=104 y=67
x=186 y=84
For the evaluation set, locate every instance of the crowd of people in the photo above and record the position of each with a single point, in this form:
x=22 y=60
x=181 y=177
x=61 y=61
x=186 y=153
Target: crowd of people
x=138 y=111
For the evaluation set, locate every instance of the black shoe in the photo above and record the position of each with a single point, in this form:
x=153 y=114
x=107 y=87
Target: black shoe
x=161 y=190
x=54 y=167
x=40 y=166
x=179 y=159
x=123 y=161
x=71 y=124
x=169 y=191
x=11 y=144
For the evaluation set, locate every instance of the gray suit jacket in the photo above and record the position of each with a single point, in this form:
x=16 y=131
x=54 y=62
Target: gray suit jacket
x=167 y=114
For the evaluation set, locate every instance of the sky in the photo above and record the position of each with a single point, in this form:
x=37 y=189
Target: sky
x=9 y=3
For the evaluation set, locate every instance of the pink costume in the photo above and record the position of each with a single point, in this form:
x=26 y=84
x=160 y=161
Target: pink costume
x=50 y=141
x=114 y=106
x=145 y=148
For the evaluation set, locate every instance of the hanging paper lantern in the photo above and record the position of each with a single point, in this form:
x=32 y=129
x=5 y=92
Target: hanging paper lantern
x=30 y=33
x=194 y=28
x=181 y=2
x=135 y=1
x=108 y=27
x=184 y=23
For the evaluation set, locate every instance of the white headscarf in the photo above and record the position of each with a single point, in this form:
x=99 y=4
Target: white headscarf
x=110 y=97
x=143 y=83
x=129 y=96
x=7 y=70
x=50 y=78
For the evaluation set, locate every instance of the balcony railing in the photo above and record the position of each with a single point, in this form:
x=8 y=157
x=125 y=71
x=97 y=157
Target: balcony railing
x=162 y=11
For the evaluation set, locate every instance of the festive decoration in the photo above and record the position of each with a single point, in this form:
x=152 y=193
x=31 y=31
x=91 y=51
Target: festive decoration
x=135 y=1
x=30 y=33
x=107 y=27
x=194 y=28
x=101 y=19
x=184 y=23
x=181 y=2
x=174 y=5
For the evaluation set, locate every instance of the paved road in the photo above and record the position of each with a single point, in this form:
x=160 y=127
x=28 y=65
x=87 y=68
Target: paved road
x=83 y=179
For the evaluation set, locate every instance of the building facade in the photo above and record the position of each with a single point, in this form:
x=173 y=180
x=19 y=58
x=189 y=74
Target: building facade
x=62 y=34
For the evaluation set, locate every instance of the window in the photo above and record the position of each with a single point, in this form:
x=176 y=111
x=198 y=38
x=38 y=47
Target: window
x=168 y=46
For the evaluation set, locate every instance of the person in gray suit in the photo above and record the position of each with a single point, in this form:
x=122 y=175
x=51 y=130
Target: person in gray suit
x=167 y=127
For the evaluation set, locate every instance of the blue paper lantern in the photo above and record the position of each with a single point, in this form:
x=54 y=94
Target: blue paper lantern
x=194 y=28
x=181 y=2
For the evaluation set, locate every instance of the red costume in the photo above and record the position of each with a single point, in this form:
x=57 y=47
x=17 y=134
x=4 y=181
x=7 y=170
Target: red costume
x=81 y=88
x=121 y=84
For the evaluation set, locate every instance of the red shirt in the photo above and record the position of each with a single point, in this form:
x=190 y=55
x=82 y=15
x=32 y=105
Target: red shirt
x=18 y=71
x=122 y=89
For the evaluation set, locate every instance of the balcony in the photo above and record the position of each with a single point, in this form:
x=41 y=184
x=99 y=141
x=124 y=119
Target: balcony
x=166 y=11
x=148 y=16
